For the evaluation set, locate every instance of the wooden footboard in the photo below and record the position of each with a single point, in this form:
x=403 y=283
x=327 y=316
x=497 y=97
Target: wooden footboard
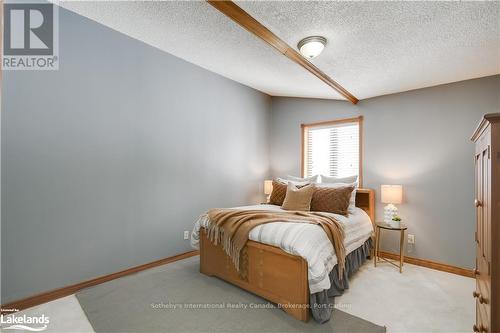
x=273 y=274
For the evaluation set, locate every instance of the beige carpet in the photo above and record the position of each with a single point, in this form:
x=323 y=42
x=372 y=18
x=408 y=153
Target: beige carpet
x=177 y=298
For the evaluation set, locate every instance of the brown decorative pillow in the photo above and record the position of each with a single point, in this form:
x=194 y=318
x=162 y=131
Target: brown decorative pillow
x=332 y=200
x=298 y=198
x=278 y=193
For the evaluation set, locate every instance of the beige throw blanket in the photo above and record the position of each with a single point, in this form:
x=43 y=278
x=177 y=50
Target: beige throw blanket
x=232 y=226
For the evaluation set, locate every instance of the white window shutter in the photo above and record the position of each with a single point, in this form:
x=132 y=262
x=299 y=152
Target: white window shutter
x=332 y=150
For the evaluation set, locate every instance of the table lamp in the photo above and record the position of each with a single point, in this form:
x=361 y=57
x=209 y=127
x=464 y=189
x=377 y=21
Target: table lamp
x=391 y=194
x=268 y=188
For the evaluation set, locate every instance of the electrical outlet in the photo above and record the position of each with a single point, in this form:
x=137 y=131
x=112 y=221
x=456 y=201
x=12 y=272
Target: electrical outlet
x=186 y=234
x=411 y=239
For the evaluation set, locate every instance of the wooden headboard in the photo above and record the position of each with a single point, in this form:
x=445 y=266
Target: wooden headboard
x=365 y=199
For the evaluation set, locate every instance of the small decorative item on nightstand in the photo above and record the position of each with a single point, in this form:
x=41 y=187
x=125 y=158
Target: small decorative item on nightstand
x=396 y=222
x=391 y=194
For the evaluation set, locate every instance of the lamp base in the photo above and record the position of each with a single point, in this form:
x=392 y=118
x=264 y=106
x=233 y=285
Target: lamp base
x=389 y=212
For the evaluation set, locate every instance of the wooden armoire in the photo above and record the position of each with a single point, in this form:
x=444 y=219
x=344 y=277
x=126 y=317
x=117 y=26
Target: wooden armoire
x=487 y=235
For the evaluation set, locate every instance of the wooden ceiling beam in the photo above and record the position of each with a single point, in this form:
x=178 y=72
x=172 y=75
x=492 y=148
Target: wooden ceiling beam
x=234 y=12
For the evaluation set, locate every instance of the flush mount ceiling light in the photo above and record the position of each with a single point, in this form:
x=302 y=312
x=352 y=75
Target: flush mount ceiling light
x=310 y=47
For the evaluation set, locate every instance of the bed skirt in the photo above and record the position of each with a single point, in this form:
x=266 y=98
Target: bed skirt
x=321 y=308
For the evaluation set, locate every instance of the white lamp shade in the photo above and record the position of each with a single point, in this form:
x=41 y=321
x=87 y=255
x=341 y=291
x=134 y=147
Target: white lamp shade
x=312 y=49
x=268 y=187
x=392 y=194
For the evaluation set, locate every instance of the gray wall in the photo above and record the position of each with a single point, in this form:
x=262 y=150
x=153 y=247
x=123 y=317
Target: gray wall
x=106 y=161
x=419 y=139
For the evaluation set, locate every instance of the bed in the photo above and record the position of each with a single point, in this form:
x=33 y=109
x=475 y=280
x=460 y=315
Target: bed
x=288 y=272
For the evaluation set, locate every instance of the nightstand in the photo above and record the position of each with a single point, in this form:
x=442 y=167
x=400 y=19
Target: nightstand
x=402 y=228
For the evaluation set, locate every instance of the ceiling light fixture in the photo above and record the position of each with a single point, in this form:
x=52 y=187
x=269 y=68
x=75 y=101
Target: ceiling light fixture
x=311 y=47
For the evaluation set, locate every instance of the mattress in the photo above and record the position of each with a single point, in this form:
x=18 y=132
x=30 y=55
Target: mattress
x=308 y=241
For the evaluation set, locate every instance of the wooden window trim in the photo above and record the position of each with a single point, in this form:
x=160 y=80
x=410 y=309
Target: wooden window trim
x=304 y=127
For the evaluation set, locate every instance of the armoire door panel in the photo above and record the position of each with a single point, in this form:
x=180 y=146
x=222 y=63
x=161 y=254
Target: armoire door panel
x=487 y=191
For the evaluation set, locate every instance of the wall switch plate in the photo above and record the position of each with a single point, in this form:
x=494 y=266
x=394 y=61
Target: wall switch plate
x=411 y=239
x=186 y=234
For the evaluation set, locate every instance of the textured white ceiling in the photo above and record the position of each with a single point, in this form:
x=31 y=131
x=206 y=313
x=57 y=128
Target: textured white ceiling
x=374 y=48
x=378 y=48
x=200 y=34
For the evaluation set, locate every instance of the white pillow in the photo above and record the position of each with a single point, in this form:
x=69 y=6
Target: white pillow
x=344 y=180
x=294 y=182
x=312 y=179
x=352 y=200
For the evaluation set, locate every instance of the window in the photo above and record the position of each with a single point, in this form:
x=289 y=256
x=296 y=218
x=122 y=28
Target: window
x=332 y=148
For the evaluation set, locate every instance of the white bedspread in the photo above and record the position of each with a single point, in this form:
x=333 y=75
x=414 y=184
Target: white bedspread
x=308 y=241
